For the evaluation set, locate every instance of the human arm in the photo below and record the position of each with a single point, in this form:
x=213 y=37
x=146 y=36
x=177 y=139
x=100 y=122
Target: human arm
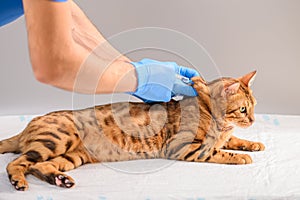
x=61 y=38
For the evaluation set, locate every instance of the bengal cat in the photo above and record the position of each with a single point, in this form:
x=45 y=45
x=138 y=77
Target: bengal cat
x=193 y=129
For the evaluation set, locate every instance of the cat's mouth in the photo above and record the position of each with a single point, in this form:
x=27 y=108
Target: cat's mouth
x=244 y=124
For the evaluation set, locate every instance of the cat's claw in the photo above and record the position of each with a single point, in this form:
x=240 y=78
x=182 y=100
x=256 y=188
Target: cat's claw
x=64 y=181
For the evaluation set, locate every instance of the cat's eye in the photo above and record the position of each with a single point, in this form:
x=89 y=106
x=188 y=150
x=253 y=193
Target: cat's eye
x=243 y=109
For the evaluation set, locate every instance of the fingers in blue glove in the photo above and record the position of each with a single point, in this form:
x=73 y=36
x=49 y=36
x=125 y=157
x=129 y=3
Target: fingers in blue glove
x=183 y=71
x=188 y=72
x=181 y=88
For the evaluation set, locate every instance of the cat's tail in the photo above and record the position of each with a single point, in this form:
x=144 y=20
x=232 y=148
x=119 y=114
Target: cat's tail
x=10 y=145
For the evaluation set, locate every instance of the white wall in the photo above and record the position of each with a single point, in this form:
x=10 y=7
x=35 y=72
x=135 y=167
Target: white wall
x=239 y=35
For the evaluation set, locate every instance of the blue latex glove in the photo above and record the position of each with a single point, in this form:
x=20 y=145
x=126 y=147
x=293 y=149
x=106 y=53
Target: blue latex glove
x=10 y=10
x=159 y=82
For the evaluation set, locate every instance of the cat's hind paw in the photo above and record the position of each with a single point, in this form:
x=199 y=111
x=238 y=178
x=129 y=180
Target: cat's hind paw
x=19 y=184
x=64 y=181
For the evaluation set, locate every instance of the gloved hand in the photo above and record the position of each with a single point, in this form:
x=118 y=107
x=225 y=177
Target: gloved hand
x=159 y=82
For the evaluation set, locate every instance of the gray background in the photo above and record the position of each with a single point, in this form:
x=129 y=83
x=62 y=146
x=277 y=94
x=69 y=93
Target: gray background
x=240 y=36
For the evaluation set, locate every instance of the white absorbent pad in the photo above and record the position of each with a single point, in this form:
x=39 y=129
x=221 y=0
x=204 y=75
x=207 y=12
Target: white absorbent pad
x=274 y=174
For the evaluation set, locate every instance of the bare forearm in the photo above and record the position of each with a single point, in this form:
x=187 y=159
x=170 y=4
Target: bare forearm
x=99 y=76
x=61 y=38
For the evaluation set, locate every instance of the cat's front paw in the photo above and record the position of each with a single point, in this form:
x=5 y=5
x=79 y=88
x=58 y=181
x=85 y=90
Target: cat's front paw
x=244 y=159
x=257 y=146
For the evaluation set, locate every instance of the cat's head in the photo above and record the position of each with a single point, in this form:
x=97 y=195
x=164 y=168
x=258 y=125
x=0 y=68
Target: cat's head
x=229 y=99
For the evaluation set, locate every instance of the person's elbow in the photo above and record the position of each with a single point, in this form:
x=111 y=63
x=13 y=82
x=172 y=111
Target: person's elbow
x=46 y=69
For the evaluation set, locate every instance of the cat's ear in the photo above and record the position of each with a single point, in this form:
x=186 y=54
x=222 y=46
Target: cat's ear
x=248 y=78
x=199 y=84
x=230 y=89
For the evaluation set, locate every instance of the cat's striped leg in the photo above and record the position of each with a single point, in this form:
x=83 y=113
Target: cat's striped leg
x=199 y=153
x=240 y=144
x=51 y=170
x=222 y=157
x=18 y=168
